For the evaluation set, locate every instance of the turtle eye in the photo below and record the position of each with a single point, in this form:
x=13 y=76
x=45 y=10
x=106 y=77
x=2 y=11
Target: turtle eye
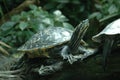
x=85 y=23
x=84 y=26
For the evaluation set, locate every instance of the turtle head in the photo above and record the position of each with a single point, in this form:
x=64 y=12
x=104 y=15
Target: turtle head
x=78 y=35
x=82 y=27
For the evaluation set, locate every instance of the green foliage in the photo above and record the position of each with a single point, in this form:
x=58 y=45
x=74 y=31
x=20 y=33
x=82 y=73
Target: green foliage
x=22 y=26
x=105 y=8
x=111 y=7
x=75 y=10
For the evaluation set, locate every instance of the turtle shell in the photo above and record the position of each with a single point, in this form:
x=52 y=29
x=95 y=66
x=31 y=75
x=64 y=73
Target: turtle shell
x=44 y=40
x=111 y=29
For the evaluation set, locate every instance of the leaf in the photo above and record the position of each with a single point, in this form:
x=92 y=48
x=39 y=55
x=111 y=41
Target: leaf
x=41 y=27
x=98 y=15
x=33 y=7
x=48 y=21
x=57 y=13
x=15 y=18
x=60 y=6
x=8 y=25
x=23 y=25
x=68 y=26
x=62 y=1
x=36 y=13
x=61 y=18
x=98 y=6
x=112 y=9
x=23 y=14
x=50 y=6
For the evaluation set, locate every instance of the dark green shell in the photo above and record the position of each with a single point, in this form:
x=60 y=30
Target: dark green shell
x=42 y=42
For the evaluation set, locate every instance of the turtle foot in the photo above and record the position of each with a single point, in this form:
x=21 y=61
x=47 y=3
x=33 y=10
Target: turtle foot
x=67 y=55
x=71 y=59
x=46 y=70
x=87 y=52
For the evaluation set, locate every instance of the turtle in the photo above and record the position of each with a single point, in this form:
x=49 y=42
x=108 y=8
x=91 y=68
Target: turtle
x=108 y=36
x=55 y=42
x=52 y=39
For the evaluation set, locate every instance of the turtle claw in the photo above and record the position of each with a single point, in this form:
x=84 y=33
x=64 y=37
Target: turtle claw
x=66 y=55
x=45 y=70
x=87 y=52
x=71 y=59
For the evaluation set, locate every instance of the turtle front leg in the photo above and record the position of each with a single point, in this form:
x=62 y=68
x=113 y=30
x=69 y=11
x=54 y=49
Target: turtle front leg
x=72 y=58
x=86 y=52
x=65 y=53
